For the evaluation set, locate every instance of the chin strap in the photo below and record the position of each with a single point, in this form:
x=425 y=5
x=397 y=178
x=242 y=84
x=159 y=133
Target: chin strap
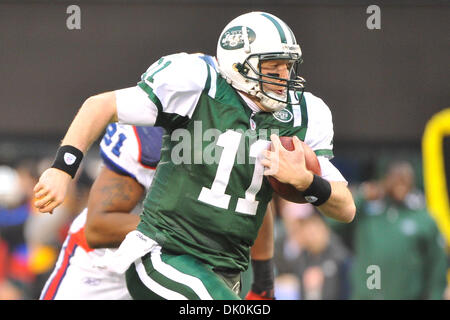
x=269 y=103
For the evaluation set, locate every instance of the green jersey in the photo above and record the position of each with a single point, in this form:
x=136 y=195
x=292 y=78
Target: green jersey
x=209 y=195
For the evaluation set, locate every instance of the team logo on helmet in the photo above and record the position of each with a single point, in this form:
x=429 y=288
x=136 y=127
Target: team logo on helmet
x=283 y=115
x=232 y=38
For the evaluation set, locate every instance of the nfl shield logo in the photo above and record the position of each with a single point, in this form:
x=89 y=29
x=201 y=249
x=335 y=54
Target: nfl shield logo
x=252 y=124
x=69 y=158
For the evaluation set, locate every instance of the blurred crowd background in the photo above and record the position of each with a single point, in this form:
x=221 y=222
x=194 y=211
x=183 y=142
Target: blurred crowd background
x=388 y=91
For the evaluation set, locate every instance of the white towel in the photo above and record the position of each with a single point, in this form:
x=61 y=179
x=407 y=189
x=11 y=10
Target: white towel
x=134 y=246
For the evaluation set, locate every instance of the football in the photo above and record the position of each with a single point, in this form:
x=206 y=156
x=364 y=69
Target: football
x=287 y=191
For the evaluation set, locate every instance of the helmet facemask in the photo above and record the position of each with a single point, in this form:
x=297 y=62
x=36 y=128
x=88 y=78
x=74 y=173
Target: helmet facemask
x=271 y=100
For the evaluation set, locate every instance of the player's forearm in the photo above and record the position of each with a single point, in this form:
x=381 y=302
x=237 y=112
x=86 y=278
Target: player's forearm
x=340 y=205
x=91 y=120
x=262 y=249
x=110 y=229
x=262 y=260
x=111 y=199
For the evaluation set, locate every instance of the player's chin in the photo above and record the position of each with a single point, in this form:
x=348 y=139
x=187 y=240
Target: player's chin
x=278 y=91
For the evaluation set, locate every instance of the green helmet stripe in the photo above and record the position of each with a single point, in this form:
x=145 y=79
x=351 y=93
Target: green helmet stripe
x=292 y=36
x=278 y=26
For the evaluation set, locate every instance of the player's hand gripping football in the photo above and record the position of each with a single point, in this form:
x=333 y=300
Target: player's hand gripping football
x=287 y=166
x=51 y=189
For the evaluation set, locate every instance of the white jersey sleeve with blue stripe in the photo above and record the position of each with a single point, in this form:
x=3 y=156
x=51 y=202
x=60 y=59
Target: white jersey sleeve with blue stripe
x=132 y=151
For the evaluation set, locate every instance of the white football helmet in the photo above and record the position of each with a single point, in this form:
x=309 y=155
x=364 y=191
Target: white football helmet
x=247 y=41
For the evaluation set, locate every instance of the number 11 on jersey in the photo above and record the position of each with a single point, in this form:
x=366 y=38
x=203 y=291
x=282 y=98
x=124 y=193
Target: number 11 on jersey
x=216 y=195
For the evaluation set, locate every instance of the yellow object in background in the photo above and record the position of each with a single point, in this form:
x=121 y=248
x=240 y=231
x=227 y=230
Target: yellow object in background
x=42 y=259
x=435 y=183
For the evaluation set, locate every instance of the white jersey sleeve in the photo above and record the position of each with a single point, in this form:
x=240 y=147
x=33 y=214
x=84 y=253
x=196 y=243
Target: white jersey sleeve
x=170 y=88
x=131 y=151
x=319 y=136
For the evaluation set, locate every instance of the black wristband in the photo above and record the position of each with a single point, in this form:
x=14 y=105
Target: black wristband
x=263 y=277
x=318 y=192
x=68 y=159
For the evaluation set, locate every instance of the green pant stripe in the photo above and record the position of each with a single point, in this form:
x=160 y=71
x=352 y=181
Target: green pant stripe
x=137 y=289
x=169 y=283
x=213 y=283
x=162 y=289
x=166 y=276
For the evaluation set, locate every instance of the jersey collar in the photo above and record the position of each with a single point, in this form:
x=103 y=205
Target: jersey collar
x=251 y=104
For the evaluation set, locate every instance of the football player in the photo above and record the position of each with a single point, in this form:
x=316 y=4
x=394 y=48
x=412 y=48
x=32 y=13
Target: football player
x=130 y=155
x=201 y=217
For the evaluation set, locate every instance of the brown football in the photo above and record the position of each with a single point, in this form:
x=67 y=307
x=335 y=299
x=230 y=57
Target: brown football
x=287 y=191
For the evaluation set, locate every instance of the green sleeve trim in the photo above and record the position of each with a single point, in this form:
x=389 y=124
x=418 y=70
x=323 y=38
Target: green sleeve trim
x=168 y=121
x=304 y=113
x=208 y=79
x=324 y=152
x=151 y=95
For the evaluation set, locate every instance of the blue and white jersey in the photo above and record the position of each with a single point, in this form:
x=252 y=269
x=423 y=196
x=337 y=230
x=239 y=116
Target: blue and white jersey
x=125 y=149
x=132 y=151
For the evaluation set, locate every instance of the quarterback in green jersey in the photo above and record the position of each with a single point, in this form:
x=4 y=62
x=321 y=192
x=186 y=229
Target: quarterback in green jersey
x=209 y=196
